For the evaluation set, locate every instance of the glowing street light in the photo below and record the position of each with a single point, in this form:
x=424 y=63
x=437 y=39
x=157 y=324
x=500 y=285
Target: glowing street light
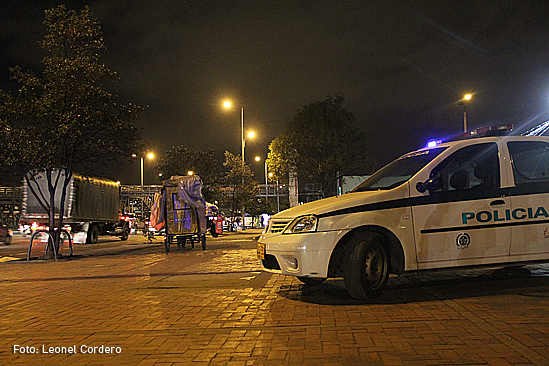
x=150 y=156
x=258 y=159
x=228 y=104
x=466 y=98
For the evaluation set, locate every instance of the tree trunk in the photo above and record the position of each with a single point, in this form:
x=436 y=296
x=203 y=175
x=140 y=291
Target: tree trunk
x=52 y=248
x=68 y=175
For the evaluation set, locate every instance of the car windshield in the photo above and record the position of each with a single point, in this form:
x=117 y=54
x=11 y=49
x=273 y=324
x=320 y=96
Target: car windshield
x=399 y=171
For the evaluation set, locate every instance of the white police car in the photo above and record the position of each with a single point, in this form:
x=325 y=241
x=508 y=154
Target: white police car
x=474 y=201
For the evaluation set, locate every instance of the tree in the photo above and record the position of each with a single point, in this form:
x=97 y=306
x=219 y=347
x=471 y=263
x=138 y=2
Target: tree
x=67 y=118
x=179 y=160
x=322 y=143
x=236 y=195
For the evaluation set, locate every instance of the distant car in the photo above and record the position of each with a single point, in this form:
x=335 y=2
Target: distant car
x=5 y=234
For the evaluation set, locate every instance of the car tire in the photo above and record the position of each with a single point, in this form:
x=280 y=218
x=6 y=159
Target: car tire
x=213 y=231
x=366 y=265
x=93 y=234
x=125 y=232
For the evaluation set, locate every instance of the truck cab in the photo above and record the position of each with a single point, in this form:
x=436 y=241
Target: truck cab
x=482 y=199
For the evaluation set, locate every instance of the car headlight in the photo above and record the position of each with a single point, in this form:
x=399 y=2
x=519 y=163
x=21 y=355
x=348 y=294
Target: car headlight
x=302 y=224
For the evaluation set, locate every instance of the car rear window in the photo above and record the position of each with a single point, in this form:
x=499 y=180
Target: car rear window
x=530 y=161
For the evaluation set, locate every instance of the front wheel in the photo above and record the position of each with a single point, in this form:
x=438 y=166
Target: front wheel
x=366 y=268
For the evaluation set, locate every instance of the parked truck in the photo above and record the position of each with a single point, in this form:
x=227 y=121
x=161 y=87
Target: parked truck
x=91 y=206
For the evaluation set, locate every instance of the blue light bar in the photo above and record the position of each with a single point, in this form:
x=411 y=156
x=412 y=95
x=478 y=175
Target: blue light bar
x=433 y=143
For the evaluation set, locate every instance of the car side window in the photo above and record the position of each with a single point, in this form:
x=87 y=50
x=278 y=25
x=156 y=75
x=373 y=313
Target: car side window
x=471 y=167
x=530 y=160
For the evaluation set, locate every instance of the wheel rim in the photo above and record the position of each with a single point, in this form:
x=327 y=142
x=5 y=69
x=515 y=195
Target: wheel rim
x=375 y=267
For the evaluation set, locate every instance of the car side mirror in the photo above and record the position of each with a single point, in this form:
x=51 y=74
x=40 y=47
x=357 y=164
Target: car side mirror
x=431 y=184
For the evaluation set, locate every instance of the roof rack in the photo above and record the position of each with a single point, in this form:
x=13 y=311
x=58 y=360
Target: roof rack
x=492 y=130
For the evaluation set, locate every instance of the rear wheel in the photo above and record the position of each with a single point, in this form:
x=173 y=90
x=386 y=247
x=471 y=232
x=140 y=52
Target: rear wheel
x=93 y=234
x=366 y=269
x=167 y=243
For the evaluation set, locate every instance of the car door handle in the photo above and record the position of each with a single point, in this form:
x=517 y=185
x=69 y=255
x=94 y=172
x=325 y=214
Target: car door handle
x=497 y=203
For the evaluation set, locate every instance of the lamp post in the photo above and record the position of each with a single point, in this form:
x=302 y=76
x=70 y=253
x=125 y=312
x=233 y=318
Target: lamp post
x=228 y=104
x=277 y=197
x=466 y=98
x=257 y=158
x=149 y=156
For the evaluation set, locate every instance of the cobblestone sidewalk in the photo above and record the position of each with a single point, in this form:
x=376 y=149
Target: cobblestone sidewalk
x=216 y=307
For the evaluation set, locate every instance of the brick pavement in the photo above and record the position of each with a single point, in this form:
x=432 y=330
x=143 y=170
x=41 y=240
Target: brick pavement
x=215 y=307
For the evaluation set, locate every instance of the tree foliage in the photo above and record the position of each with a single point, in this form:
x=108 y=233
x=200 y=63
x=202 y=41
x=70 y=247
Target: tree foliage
x=68 y=118
x=179 y=160
x=236 y=195
x=323 y=143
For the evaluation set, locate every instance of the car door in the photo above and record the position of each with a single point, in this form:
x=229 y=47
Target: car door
x=458 y=223
x=530 y=197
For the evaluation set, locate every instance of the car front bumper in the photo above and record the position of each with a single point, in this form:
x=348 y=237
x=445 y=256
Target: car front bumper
x=306 y=255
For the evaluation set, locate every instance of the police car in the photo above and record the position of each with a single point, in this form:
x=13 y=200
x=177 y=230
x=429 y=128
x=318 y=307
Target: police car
x=479 y=200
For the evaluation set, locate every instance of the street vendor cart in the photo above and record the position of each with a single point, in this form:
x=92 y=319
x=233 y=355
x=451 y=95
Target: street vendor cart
x=181 y=209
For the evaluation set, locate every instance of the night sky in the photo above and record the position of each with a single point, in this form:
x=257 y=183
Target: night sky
x=401 y=65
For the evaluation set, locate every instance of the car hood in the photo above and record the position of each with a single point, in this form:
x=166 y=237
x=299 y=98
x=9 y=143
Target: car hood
x=340 y=202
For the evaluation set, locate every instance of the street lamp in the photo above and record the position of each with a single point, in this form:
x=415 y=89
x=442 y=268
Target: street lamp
x=150 y=156
x=228 y=104
x=466 y=98
x=271 y=175
x=257 y=158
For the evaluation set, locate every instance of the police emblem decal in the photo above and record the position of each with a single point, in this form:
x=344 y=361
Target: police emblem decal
x=463 y=240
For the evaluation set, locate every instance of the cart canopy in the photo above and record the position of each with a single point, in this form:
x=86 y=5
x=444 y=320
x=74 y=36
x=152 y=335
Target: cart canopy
x=187 y=189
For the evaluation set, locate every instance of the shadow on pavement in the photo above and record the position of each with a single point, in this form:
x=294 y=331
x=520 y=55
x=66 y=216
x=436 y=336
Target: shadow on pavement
x=431 y=287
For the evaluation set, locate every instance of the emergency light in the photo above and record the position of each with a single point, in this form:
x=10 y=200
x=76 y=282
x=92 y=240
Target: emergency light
x=492 y=130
